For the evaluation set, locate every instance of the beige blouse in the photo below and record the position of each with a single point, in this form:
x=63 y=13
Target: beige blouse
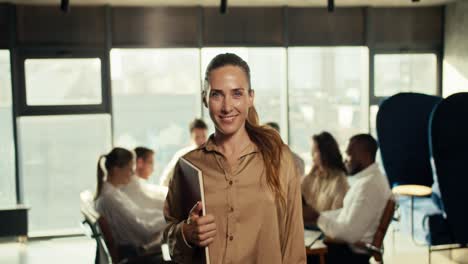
x=252 y=227
x=324 y=192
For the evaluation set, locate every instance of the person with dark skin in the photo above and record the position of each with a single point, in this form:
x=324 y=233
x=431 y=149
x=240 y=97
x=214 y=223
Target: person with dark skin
x=362 y=207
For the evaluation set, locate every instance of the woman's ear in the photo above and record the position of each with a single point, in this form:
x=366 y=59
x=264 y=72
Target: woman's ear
x=251 y=97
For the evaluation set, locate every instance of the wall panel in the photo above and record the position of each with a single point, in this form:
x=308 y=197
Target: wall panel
x=156 y=27
x=318 y=27
x=48 y=25
x=4 y=26
x=406 y=27
x=243 y=26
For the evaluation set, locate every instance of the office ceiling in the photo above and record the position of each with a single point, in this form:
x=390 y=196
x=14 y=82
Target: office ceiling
x=311 y=3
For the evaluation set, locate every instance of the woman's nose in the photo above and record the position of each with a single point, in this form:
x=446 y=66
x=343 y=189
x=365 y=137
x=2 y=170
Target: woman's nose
x=227 y=104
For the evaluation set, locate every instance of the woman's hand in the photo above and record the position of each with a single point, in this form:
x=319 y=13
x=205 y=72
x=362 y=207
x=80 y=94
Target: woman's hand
x=199 y=230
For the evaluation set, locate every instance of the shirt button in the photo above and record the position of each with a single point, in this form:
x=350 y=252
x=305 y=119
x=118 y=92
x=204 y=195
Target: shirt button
x=231 y=238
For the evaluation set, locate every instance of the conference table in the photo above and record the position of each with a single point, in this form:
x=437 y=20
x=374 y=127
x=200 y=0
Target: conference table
x=314 y=245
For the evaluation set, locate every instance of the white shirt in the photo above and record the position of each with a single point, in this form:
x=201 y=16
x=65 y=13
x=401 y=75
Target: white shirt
x=130 y=224
x=145 y=195
x=168 y=172
x=363 y=206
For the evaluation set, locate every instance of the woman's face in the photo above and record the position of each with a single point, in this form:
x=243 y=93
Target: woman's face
x=124 y=174
x=229 y=99
x=316 y=155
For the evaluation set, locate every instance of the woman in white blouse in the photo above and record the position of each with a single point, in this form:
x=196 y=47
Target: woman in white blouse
x=325 y=186
x=131 y=225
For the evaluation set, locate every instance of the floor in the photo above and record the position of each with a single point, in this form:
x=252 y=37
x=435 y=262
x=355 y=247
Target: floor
x=401 y=249
x=74 y=250
x=80 y=250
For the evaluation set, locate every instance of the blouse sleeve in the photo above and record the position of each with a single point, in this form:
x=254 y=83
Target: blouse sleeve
x=136 y=228
x=293 y=247
x=173 y=235
x=340 y=191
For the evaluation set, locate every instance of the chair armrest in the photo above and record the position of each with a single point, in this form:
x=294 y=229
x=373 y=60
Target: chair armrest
x=363 y=245
x=369 y=247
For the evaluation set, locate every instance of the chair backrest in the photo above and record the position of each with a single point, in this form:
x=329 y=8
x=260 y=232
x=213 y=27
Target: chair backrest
x=402 y=125
x=385 y=220
x=87 y=206
x=449 y=148
x=108 y=239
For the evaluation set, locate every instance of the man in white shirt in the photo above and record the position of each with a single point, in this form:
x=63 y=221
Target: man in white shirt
x=198 y=136
x=363 y=204
x=138 y=189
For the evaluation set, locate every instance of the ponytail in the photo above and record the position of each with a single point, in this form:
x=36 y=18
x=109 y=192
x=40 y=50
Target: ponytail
x=118 y=157
x=100 y=175
x=270 y=144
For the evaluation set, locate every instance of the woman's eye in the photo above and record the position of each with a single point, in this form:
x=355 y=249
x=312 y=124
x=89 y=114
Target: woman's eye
x=238 y=93
x=214 y=94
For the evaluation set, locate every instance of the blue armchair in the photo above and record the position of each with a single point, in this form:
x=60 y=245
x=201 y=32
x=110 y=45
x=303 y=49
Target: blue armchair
x=449 y=148
x=402 y=130
x=402 y=125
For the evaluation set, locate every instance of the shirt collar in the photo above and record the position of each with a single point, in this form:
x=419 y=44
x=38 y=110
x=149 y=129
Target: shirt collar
x=210 y=146
x=108 y=188
x=367 y=171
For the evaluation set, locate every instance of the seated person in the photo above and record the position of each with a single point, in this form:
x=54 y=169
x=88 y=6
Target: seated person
x=142 y=193
x=198 y=136
x=298 y=161
x=325 y=186
x=131 y=225
x=362 y=207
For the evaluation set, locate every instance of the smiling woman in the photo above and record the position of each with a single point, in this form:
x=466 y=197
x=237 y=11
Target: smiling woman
x=252 y=194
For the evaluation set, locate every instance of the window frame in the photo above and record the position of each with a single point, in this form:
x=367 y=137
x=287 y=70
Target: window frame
x=23 y=109
x=376 y=100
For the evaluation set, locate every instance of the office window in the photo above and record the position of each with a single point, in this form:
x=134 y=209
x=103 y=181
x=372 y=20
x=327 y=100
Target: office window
x=7 y=149
x=396 y=73
x=268 y=78
x=75 y=81
x=328 y=91
x=155 y=95
x=455 y=79
x=58 y=160
x=374 y=109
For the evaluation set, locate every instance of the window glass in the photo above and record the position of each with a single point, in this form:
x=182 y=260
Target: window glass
x=328 y=91
x=59 y=157
x=374 y=109
x=155 y=95
x=396 y=73
x=7 y=149
x=455 y=79
x=75 y=81
x=268 y=78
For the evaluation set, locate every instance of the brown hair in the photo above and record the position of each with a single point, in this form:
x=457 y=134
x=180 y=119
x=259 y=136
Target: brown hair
x=118 y=157
x=143 y=153
x=266 y=139
x=197 y=123
x=330 y=154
